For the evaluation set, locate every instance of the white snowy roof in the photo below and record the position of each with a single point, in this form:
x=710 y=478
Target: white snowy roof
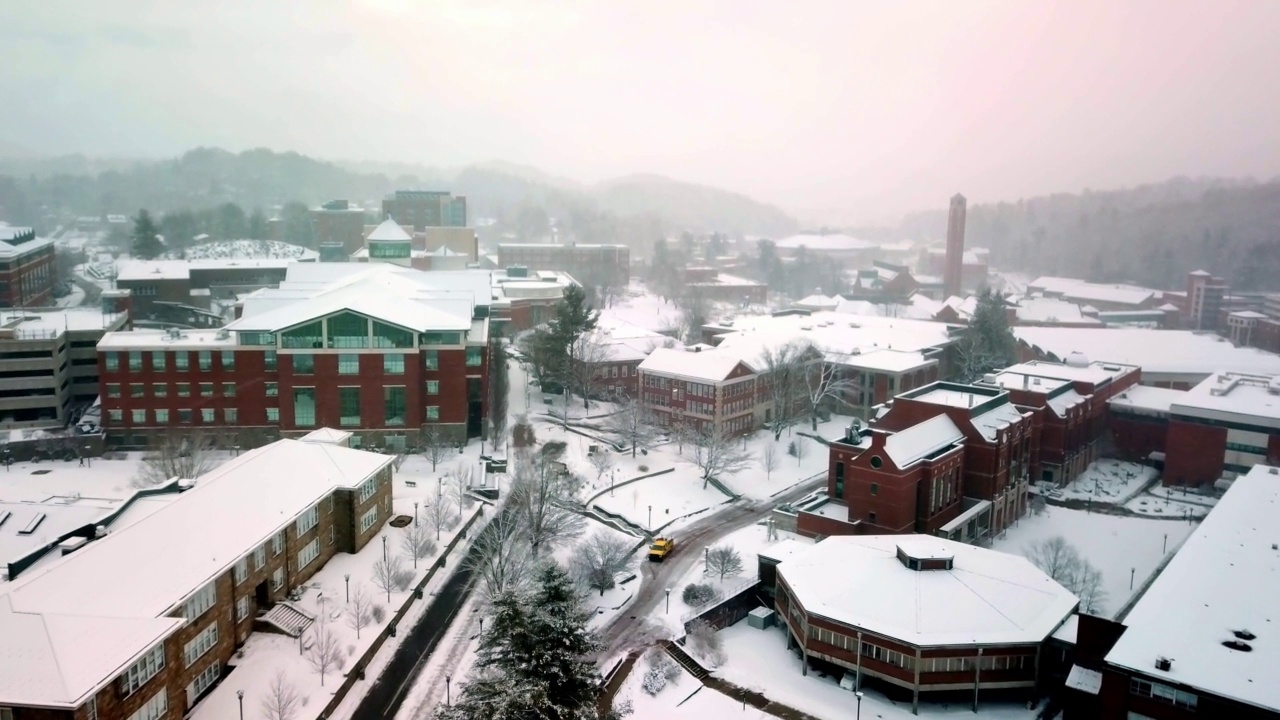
x=1084 y=291
x=1052 y=310
x=44 y=322
x=1010 y=380
x=922 y=440
x=1224 y=579
x=819 y=301
x=327 y=435
x=786 y=549
x=389 y=231
x=1155 y=351
x=1095 y=373
x=1233 y=397
x=834 y=241
x=137 y=270
x=835 y=334
x=706 y=366
x=1063 y=402
x=148 y=339
x=1143 y=397
x=894 y=361
x=988 y=597
x=991 y=422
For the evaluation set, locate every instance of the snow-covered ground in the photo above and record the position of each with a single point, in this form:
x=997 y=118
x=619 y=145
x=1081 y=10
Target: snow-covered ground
x=682 y=698
x=1171 y=504
x=640 y=307
x=1114 y=544
x=654 y=502
x=758 y=660
x=246 y=249
x=1108 y=481
x=100 y=478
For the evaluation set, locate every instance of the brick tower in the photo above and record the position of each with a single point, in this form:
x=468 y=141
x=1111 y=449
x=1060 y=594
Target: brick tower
x=952 y=273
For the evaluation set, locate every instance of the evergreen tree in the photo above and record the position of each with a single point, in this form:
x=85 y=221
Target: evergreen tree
x=146 y=238
x=535 y=658
x=988 y=343
x=574 y=318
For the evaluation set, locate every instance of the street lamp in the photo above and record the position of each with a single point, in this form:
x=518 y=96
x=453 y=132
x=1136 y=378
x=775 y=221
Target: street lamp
x=347 y=578
x=384 y=548
x=650 y=517
x=240 y=697
x=668 y=601
x=859 y=696
x=415 y=513
x=448 y=693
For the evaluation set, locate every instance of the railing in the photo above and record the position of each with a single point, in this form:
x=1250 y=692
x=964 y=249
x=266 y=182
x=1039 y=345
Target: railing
x=733 y=592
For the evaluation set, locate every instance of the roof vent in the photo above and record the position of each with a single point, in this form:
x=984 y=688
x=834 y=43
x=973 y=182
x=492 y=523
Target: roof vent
x=989 y=379
x=1077 y=360
x=1164 y=664
x=1237 y=645
x=1244 y=635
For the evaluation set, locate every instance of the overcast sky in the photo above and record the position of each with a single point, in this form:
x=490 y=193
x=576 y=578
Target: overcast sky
x=838 y=110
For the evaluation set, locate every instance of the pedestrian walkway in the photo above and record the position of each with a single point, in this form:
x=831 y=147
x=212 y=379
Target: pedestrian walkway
x=724 y=687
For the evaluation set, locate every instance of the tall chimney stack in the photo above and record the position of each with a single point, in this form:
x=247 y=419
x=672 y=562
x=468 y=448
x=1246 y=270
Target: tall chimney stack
x=951 y=274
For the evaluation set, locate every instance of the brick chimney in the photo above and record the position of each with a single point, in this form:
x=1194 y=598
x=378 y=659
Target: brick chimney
x=952 y=273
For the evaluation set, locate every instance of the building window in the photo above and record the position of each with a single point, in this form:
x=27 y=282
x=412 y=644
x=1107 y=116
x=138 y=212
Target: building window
x=475 y=356
x=201 y=644
x=184 y=389
x=139 y=417
x=228 y=389
x=135 y=361
x=386 y=336
x=259 y=557
x=349 y=406
x=273 y=415
x=304 y=364
x=159 y=390
x=393 y=405
x=157 y=360
x=113 y=390
x=90 y=710
x=277 y=579
x=181 y=361
x=203 y=681
x=200 y=602
x=257 y=338
x=228 y=360
x=269 y=361
x=307 y=520
x=308 y=553
x=433 y=412
x=433 y=387
x=875 y=489
x=1164 y=693
x=431 y=358
x=184 y=416
x=277 y=543
x=273 y=389
x=111 y=361
x=348 y=364
x=310 y=335
x=368 y=519
x=441 y=338
x=206 y=389
x=137 y=390
x=115 y=415
x=205 y=358
x=304 y=406
x=242 y=607
x=206 y=416
x=367 y=489
x=393 y=364
x=840 y=480
x=871 y=518
x=348 y=331
x=230 y=416
x=140 y=672
x=162 y=417
x=155 y=708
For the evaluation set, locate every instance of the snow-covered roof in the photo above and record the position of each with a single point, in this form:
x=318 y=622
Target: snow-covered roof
x=244 y=249
x=1248 y=315
x=10 y=249
x=1233 y=397
x=989 y=423
x=1094 y=373
x=835 y=334
x=833 y=241
x=154 y=339
x=1051 y=310
x=1085 y=292
x=389 y=231
x=987 y=597
x=140 y=270
x=327 y=435
x=1143 y=397
x=891 y=361
x=1223 y=580
x=116 y=590
x=707 y=366
x=921 y=441
x=33 y=324
x=819 y=302
x=723 y=280
x=786 y=549
x=1063 y=402
x=1155 y=351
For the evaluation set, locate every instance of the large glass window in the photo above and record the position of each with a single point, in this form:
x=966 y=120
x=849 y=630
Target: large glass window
x=228 y=360
x=135 y=361
x=475 y=355
x=205 y=358
x=304 y=364
x=157 y=360
x=393 y=405
x=269 y=361
x=348 y=330
x=181 y=361
x=386 y=336
x=111 y=361
x=304 y=406
x=257 y=338
x=348 y=364
x=393 y=364
x=441 y=338
x=310 y=335
x=433 y=387
x=349 y=406
x=140 y=672
x=432 y=359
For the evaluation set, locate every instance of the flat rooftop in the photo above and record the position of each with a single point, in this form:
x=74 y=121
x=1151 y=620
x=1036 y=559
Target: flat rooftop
x=1238 y=397
x=33 y=324
x=1223 y=581
x=141 y=270
x=1172 y=352
x=1095 y=373
x=1146 y=400
x=952 y=396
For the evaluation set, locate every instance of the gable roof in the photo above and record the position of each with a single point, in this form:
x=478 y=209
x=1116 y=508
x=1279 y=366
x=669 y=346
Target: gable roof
x=708 y=366
x=389 y=231
x=921 y=440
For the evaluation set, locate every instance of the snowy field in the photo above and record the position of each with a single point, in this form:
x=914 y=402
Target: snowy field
x=682 y=698
x=642 y=308
x=1108 y=481
x=1114 y=544
x=1170 y=506
x=758 y=660
x=99 y=478
x=654 y=502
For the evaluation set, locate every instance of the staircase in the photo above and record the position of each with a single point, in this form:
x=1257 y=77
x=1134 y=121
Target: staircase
x=290 y=620
x=683 y=660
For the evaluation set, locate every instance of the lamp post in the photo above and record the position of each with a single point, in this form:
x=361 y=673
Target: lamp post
x=415 y=513
x=668 y=601
x=1131 y=574
x=859 y=706
x=448 y=693
x=650 y=517
x=384 y=548
x=88 y=458
x=347 y=578
x=240 y=697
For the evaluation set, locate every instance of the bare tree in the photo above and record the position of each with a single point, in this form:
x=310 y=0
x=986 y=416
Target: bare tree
x=769 y=460
x=439 y=512
x=1061 y=561
x=459 y=479
x=177 y=454
x=435 y=447
x=417 y=543
x=783 y=377
x=716 y=455
x=325 y=653
x=282 y=699
x=502 y=561
x=633 y=424
x=543 y=496
x=598 y=558
x=499 y=390
x=695 y=311
x=390 y=575
x=800 y=449
x=589 y=354
x=359 y=609
x=724 y=561
x=704 y=641
x=824 y=385
x=602 y=462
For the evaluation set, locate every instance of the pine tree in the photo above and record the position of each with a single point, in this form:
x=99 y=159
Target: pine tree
x=574 y=318
x=146 y=239
x=988 y=343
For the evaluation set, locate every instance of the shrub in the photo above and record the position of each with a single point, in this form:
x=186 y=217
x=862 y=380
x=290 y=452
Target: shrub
x=644 y=468
x=662 y=670
x=379 y=614
x=696 y=594
x=791 y=448
x=706 y=643
x=402 y=580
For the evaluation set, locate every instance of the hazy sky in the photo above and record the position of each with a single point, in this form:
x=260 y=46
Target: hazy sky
x=839 y=110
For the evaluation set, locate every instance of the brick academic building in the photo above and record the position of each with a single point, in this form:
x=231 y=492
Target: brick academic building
x=26 y=268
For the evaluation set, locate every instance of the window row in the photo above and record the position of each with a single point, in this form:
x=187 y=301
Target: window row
x=159 y=360
x=200 y=644
x=1160 y=691
x=153 y=709
x=181 y=389
x=184 y=416
x=141 y=671
x=203 y=599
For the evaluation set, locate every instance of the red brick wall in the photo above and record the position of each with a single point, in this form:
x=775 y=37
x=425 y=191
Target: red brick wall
x=1193 y=454
x=1135 y=437
x=810 y=525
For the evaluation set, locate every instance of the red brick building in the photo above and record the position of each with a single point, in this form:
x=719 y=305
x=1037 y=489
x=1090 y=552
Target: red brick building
x=386 y=352
x=704 y=391
x=902 y=613
x=337 y=229
x=26 y=268
x=711 y=284
x=142 y=622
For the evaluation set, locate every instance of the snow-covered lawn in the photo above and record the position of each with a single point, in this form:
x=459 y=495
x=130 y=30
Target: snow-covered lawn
x=1108 y=481
x=758 y=660
x=679 y=700
x=754 y=482
x=1170 y=505
x=654 y=502
x=98 y=478
x=1114 y=544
